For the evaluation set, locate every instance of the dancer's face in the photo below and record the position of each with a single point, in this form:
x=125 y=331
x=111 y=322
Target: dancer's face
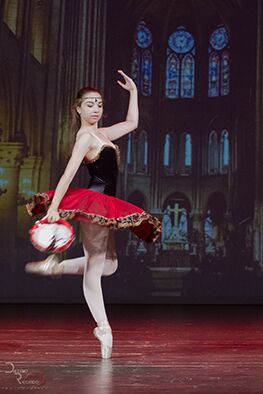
x=91 y=108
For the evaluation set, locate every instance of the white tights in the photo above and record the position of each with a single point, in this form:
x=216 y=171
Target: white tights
x=99 y=259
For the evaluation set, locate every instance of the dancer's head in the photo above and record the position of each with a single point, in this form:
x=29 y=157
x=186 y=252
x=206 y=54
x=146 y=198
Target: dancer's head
x=87 y=108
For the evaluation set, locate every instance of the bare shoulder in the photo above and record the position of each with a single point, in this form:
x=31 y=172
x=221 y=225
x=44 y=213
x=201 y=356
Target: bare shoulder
x=83 y=136
x=86 y=139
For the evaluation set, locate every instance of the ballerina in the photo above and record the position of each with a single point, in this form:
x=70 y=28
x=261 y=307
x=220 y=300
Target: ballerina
x=96 y=207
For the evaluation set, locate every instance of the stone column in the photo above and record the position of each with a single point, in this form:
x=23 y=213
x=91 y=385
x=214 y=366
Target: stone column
x=11 y=154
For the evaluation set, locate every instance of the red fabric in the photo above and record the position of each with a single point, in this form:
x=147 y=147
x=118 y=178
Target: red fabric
x=92 y=206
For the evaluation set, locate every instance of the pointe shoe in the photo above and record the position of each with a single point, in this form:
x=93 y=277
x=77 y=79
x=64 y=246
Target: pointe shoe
x=49 y=266
x=104 y=334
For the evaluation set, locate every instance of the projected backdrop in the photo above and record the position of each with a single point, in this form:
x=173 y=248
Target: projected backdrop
x=194 y=160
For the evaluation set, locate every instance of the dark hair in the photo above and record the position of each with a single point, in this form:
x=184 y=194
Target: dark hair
x=75 y=121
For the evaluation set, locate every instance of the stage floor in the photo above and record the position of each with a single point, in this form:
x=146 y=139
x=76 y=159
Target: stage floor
x=157 y=349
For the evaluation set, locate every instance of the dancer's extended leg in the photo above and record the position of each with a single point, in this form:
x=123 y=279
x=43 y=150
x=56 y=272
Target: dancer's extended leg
x=51 y=265
x=76 y=266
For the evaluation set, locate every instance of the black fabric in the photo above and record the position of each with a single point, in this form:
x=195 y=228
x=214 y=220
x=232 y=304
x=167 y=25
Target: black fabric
x=104 y=172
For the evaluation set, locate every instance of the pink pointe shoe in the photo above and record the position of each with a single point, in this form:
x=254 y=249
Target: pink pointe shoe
x=49 y=266
x=104 y=334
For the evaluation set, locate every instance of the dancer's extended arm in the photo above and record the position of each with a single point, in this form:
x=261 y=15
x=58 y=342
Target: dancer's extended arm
x=131 y=123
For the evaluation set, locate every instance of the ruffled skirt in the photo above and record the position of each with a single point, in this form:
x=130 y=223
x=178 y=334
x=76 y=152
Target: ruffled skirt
x=92 y=206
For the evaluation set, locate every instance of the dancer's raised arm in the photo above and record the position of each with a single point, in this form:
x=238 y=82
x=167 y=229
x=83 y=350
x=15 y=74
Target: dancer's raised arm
x=131 y=123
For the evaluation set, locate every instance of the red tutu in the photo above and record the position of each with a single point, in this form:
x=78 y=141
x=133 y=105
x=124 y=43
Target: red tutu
x=92 y=206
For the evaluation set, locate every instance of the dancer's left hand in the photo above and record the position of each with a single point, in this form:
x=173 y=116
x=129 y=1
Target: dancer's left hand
x=129 y=84
x=52 y=215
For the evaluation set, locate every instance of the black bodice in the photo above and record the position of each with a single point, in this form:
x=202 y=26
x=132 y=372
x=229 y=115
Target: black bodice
x=103 y=171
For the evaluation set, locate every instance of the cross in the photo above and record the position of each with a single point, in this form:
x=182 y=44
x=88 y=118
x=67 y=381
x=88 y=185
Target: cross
x=176 y=210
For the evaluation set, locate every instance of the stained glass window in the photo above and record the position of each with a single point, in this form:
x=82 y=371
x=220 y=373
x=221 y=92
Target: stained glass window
x=225 y=73
x=219 y=63
x=224 y=151
x=213 y=154
x=180 y=65
x=185 y=154
x=135 y=69
x=213 y=75
x=169 y=153
x=146 y=80
x=146 y=152
x=188 y=150
x=141 y=68
x=167 y=146
x=187 y=76
x=172 y=76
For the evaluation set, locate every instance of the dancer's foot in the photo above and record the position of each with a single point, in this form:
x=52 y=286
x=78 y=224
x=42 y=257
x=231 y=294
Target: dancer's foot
x=104 y=334
x=49 y=266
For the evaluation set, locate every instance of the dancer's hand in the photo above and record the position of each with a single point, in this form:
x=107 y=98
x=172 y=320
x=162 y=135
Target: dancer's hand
x=52 y=215
x=129 y=84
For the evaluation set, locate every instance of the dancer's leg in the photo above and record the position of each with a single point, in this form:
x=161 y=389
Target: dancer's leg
x=76 y=266
x=111 y=261
x=95 y=239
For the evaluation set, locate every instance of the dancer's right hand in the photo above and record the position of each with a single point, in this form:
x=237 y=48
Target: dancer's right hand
x=52 y=215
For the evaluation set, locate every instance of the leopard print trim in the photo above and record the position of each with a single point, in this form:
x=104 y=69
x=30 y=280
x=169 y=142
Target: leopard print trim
x=133 y=220
x=38 y=199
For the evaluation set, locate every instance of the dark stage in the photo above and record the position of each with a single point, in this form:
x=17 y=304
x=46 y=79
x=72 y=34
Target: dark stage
x=157 y=349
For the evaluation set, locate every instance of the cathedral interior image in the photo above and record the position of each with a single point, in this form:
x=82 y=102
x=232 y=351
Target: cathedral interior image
x=195 y=161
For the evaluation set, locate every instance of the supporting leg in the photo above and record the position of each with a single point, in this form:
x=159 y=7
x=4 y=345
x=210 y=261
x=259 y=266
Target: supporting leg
x=95 y=240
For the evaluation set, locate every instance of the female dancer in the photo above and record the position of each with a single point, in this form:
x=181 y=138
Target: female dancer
x=97 y=208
